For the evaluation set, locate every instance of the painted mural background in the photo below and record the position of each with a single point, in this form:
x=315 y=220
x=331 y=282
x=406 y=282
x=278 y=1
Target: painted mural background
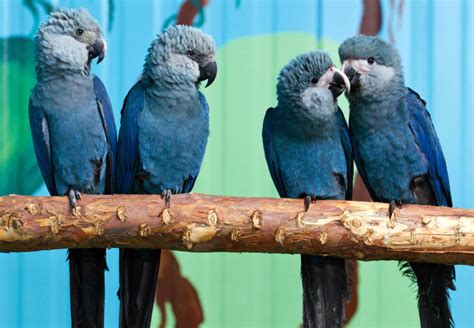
x=254 y=38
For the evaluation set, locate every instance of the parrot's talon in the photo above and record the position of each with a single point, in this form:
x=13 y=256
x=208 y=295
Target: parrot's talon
x=73 y=196
x=399 y=204
x=307 y=202
x=391 y=206
x=166 y=195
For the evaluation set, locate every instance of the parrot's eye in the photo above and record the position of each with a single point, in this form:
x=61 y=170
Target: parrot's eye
x=314 y=80
x=191 y=53
x=371 y=60
x=79 y=32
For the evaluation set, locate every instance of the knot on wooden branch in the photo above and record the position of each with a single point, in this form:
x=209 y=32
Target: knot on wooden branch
x=256 y=219
x=212 y=217
x=54 y=222
x=12 y=222
x=121 y=213
x=166 y=216
x=144 y=230
x=198 y=234
x=99 y=227
x=235 y=235
x=31 y=208
x=323 y=237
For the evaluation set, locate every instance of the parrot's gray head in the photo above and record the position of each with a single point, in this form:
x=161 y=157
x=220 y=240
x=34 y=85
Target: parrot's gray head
x=372 y=65
x=181 y=55
x=68 y=41
x=311 y=82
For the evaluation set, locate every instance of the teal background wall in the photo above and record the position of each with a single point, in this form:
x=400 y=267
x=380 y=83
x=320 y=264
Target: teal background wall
x=254 y=38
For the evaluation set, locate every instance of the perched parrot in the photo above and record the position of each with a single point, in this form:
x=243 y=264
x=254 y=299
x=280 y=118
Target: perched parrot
x=162 y=140
x=74 y=138
x=398 y=154
x=308 y=152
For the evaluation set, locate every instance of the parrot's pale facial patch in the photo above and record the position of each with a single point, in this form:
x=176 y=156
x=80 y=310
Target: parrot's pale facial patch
x=383 y=73
x=183 y=64
x=369 y=68
x=85 y=36
x=65 y=52
x=318 y=100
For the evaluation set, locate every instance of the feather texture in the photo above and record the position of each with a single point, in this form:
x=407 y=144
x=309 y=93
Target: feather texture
x=308 y=153
x=86 y=266
x=162 y=140
x=399 y=157
x=429 y=187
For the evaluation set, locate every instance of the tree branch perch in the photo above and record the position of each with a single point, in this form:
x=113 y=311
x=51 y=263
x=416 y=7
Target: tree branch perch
x=203 y=223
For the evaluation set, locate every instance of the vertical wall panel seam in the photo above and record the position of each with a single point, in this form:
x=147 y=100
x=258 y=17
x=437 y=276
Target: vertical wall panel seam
x=274 y=70
x=319 y=23
x=5 y=88
x=412 y=43
x=223 y=157
x=430 y=61
x=464 y=93
x=224 y=151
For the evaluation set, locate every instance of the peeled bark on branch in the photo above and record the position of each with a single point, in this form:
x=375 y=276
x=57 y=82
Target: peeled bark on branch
x=203 y=223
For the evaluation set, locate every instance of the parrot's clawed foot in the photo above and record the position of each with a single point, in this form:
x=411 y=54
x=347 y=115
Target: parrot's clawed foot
x=73 y=196
x=307 y=202
x=166 y=196
x=391 y=206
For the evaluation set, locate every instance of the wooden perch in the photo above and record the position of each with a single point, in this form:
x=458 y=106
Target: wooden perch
x=202 y=223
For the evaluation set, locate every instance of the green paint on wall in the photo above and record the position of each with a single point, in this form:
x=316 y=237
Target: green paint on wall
x=19 y=172
x=260 y=290
x=387 y=299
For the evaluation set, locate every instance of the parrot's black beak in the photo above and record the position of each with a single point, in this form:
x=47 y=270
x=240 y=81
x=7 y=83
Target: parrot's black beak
x=339 y=83
x=97 y=49
x=208 y=72
x=353 y=76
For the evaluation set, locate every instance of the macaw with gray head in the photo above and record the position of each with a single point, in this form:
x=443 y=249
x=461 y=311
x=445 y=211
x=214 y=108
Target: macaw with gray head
x=162 y=140
x=308 y=152
x=398 y=154
x=74 y=138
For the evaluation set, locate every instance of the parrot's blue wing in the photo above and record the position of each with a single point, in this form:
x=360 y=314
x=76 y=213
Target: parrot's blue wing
x=427 y=141
x=104 y=101
x=188 y=183
x=271 y=155
x=432 y=188
x=108 y=122
x=361 y=169
x=347 y=146
x=128 y=156
x=41 y=144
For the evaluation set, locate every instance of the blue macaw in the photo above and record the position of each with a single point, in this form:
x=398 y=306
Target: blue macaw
x=308 y=152
x=398 y=154
x=162 y=140
x=74 y=138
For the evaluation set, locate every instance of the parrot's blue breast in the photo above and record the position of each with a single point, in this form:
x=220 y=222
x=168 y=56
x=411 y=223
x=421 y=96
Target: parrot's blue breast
x=387 y=151
x=302 y=162
x=305 y=163
x=172 y=139
x=77 y=138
